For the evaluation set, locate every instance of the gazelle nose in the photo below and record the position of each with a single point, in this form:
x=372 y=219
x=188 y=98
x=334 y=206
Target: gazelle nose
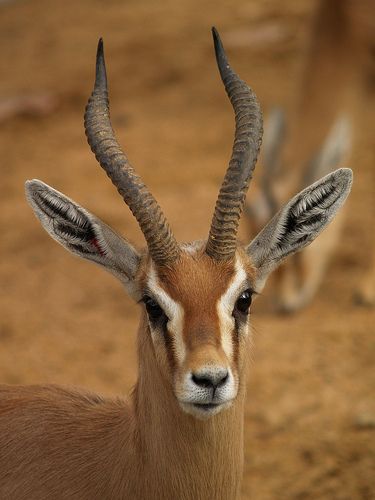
x=210 y=378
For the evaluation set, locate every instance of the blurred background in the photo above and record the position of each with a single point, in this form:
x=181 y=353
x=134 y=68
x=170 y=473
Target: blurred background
x=310 y=415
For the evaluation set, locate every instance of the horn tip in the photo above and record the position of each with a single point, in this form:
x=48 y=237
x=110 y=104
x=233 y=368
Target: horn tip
x=217 y=40
x=221 y=57
x=100 y=77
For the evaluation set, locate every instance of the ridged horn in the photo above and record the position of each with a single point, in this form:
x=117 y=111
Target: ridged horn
x=161 y=243
x=222 y=238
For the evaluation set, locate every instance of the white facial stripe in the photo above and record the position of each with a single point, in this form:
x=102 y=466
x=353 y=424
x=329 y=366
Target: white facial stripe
x=173 y=310
x=225 y=307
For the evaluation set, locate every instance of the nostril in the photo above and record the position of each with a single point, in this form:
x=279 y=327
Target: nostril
x=215 y=379
x=223 y=380
x=202 y=381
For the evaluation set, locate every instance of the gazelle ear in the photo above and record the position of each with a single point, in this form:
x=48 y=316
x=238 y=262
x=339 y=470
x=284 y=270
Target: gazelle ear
x=299 y=222
x=82 y=233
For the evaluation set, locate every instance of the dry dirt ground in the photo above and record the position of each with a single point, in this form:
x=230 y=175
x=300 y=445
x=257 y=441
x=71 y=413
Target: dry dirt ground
x=310 y=414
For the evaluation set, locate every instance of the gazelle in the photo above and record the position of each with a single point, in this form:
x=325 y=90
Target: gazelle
x=318 y=137
x=180 y=433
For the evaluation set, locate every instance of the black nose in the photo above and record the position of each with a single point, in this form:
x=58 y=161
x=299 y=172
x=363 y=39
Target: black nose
x=212 y=378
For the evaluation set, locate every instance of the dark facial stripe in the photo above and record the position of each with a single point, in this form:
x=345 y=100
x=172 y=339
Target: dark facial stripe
x=236 y=341
x=169 y=347
x=160 y=325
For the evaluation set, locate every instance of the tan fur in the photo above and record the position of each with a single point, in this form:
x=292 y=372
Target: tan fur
x=65 y=443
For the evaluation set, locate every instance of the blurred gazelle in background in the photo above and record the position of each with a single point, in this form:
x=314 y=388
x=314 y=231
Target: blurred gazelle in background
x=337 y=83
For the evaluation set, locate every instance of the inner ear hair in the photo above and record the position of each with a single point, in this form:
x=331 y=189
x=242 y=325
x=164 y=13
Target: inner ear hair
x=81 y=232
x=300 y=221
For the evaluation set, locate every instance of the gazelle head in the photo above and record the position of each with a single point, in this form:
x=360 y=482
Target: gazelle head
x=195 y=297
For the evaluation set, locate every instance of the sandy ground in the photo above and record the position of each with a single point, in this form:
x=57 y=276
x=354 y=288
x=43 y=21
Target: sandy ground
x=310 y=414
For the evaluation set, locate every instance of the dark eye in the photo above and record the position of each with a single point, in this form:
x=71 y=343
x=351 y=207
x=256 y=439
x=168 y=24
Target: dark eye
x=243 y=302
x=154 y=311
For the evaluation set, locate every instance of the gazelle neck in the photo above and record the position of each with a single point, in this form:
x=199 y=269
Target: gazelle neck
x=179 y=453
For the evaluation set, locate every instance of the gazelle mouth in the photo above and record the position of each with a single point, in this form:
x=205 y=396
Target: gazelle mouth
x=206 y=406
x=205 y=410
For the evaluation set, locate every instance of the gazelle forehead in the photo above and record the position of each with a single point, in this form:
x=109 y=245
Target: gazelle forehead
x=197 y=282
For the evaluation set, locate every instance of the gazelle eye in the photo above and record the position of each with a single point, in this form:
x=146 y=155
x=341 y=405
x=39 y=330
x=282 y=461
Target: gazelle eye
x=243 y=302
x=154 y=311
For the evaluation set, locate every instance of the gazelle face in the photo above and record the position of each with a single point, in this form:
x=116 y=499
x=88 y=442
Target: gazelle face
x=198 y=313
x=197 y=298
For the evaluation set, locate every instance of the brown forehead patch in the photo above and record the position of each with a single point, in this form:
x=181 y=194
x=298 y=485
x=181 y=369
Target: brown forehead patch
x=196 y=278
x=194 y=274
